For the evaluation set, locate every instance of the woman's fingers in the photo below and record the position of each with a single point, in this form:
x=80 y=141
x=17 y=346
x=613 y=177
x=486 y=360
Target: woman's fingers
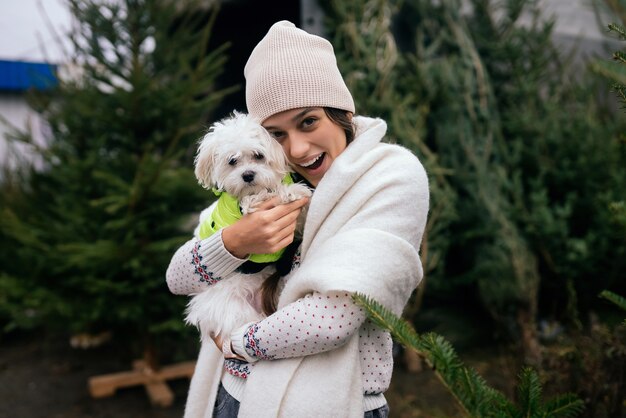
x=286 y=220
x=217 y=339
x=268 y=204
x=284 y=237
x=275 y=210
x=273 y=220
x=280 y=211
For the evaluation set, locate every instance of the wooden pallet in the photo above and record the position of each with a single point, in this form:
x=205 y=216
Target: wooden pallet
x=142 y=374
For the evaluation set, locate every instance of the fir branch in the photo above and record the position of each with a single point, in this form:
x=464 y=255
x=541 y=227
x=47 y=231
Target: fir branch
x=620 y=90
x=615 y=298
x=619 y=29
x=401 y=330
x=471 y=392
x=618 y=213
x=619 y=56
x=566 y=406
x=529 y=392
x=468 y=388
x=611 y=70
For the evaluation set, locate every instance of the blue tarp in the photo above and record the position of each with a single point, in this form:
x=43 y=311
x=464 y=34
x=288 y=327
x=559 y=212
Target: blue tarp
x=20 y=75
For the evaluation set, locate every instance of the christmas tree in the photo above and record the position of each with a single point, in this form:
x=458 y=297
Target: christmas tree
x=515 y=147
x=90 y=236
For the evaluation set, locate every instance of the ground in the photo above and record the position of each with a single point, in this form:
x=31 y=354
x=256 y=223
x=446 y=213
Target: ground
x=47 y=378
x=44 y=377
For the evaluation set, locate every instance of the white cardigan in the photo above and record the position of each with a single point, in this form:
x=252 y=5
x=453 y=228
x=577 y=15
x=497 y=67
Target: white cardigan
x=362 y=234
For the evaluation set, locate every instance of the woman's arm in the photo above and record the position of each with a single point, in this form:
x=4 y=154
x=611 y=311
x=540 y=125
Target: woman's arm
x=314 y=324
x=198 y=264
x=201 y=263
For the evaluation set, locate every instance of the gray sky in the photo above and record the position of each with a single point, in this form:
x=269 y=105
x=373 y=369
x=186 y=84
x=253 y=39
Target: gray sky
x=24 y=33
x=575 y=17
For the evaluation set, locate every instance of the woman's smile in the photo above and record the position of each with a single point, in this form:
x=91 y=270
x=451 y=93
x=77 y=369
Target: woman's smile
x=314 y=163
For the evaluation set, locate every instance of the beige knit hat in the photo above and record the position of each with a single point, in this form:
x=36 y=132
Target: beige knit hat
x=291 y=68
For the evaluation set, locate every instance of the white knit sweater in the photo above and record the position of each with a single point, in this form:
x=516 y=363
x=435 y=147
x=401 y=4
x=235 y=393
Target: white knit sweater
x=362 y=233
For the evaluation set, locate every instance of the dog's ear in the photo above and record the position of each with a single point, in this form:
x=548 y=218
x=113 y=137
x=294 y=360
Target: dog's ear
x=205 y=160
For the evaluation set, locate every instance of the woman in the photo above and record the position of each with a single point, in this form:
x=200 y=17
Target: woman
x=317 y=355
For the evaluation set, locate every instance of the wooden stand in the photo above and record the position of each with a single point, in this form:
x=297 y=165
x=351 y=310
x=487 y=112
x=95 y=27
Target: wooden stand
x=142 y=374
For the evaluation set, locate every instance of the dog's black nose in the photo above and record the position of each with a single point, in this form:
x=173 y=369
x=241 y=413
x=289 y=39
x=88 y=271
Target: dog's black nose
x=248 y=176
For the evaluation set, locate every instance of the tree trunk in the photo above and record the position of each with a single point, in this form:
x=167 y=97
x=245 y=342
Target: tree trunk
x=531 y=349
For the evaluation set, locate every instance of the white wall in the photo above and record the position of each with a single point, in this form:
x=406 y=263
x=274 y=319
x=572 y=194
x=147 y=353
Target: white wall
x=30 y=30
x=13 y=108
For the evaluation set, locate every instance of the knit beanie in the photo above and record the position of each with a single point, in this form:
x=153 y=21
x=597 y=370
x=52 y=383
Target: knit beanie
x=290 y=69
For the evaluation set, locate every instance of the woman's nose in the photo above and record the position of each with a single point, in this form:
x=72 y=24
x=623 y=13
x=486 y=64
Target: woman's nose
x=298 y=146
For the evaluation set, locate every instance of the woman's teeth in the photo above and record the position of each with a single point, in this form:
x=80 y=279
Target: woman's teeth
x=312 y=163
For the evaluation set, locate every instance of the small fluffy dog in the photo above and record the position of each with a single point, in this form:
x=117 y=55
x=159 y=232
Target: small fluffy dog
x=237 y=157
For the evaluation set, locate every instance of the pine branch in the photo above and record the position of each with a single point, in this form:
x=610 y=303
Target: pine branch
x=471 y=392
x=615 y=298
x=618 y=212
x=620 y=90
x=619 y=29
x=619 y=56
x=529 y=392
x=566 y=406
x=468 y=388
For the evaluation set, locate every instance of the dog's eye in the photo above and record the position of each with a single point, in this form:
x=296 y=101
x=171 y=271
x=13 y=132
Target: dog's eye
x=232 y=161
x=258 y=156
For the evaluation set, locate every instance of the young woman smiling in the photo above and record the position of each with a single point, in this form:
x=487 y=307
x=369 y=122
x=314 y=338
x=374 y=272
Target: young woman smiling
x=317 y=355
x=310 y=138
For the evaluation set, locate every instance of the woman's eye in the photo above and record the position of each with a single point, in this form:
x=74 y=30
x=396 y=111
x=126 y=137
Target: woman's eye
x=277 y=135
x=259 y=156
x=232 y=161
x=308 y=122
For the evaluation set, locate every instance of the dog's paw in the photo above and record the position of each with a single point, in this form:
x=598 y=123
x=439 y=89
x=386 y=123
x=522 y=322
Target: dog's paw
x=294 y=192
x=250 y=204
x=245 y=205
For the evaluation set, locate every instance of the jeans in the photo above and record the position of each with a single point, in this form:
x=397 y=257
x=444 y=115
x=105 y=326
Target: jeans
x=228 y=407
x=225 y=405
x=382 y=412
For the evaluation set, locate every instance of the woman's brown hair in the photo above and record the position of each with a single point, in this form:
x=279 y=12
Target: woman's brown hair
x=342 y=118
x=269 y=288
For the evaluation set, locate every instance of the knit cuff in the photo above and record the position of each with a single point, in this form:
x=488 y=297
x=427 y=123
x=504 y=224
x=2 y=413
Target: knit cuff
x=238 y=342
x=222 y=262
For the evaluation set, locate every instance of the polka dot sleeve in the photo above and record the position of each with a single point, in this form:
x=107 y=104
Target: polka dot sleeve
x=313 y=324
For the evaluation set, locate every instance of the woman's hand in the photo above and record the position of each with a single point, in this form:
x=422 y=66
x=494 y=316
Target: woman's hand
x=269 y=229
x=226 y=351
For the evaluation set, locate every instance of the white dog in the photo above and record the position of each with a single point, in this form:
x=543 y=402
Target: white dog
x=238 y=158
